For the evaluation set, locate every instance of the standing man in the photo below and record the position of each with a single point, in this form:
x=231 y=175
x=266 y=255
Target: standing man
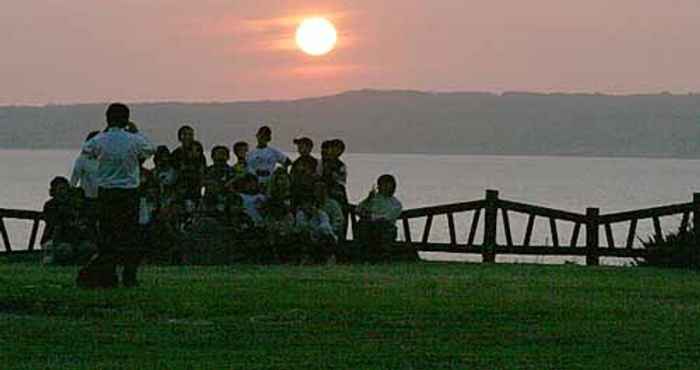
x=264 y=159
x=118 y=154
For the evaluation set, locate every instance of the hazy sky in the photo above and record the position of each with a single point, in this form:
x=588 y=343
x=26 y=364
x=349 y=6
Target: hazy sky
x=66 y=51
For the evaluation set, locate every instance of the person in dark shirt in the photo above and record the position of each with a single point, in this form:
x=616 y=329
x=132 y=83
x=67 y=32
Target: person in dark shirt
x=304 y=173
x=335 y=174
x=190 y=164
x=59 y=212
x=216 y=177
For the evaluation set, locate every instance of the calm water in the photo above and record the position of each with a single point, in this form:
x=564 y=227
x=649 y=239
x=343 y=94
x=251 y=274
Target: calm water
x=569 y=183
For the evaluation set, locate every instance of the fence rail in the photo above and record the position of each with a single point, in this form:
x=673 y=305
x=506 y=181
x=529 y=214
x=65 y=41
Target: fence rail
x=585 y=225
x=588 y=224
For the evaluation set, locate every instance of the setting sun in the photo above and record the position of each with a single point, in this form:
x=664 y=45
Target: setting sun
x=316 y=36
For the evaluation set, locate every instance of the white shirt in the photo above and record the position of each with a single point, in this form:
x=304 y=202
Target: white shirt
x=319 y=224
x=85 y=174
x=118 y=153
x=251 y=204
x=265 y=159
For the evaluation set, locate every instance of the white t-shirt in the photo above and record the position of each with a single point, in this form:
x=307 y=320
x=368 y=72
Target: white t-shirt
x=85 y=175
x=262 y=162
x=118 y=153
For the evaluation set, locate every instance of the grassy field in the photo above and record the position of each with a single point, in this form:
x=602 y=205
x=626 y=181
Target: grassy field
x=406 y=316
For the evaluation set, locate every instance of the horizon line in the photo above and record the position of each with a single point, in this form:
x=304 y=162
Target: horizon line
x=503 y=93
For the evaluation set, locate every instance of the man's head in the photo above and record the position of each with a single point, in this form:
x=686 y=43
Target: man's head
x=304 y=145
x=337 y=148
x=220 y=154
x=264 y=136
x=240 y=149
x=59 y=187
x=162 y=156
x=117 y=115
x=386 y=185
x=185 y=134
x=325 y=149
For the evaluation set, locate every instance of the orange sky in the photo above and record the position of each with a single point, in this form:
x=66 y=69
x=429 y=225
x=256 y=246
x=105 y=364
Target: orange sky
x=68 y=51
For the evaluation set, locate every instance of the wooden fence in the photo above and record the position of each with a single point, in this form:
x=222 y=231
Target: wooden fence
x=34 y=216
x=592 y=221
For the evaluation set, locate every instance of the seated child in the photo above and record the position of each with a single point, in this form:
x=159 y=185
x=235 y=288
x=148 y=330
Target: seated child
x=66 y=236
x=317 y=236
x=332 y=209
x=378 y=214
x=240 y=150
x=252 y=198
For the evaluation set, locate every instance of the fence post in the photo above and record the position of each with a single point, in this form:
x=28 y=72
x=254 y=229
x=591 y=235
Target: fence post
x=592 y=236
x=488 y=254
x=696 y=226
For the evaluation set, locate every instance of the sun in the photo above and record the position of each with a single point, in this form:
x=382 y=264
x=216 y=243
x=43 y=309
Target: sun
x=316 y=36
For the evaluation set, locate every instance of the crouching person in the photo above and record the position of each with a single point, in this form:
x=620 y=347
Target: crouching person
x=66 y=238
x=377 y=227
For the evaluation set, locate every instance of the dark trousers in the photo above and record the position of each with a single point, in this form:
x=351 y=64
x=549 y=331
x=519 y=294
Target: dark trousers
x=118 y=239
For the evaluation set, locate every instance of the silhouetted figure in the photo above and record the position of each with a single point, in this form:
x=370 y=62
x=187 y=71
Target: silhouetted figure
x=263 y=160
x=335 y=174
x=119 y=154
x=84 y=173
x=216 y=177
x=317 y=236
x=304 y=173
x=240 y=168
x=84 y=176
x=378 y=214
x=190 y=163
x=66 y=237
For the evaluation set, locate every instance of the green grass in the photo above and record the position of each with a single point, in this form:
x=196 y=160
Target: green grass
x=406 y=316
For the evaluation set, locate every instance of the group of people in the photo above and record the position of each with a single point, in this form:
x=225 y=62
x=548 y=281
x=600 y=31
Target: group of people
x=285 y=210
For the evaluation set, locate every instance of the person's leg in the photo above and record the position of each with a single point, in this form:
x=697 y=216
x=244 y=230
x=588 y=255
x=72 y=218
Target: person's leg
x=130 y=249
x=100 y=271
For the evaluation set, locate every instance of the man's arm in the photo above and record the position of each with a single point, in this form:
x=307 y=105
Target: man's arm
x=283 y=159
x=145 y=148
x=77 y=170
x=91 y=147
x=393 y=211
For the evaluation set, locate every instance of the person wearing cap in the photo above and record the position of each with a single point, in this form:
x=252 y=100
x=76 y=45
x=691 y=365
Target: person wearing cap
x=263 y=160
x=304 y=172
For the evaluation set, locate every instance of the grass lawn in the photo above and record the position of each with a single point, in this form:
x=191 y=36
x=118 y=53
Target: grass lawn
x=405 y=316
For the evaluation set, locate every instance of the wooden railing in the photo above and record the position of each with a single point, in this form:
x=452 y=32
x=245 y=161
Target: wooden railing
x=591 y=222
x=19 y=214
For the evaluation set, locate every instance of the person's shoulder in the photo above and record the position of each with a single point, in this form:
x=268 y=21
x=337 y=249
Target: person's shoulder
x=177 y=152
x=277 y=152
x=395 y=200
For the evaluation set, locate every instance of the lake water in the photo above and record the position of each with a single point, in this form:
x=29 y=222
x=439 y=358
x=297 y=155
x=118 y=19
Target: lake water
x=568 y=183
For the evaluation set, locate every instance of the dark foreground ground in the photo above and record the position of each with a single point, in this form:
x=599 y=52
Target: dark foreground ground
x=406 y=316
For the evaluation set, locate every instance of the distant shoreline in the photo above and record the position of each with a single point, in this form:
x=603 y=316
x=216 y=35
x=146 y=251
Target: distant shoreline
x=564 y=155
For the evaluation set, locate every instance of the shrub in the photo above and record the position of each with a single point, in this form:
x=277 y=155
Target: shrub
x=677 y=249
